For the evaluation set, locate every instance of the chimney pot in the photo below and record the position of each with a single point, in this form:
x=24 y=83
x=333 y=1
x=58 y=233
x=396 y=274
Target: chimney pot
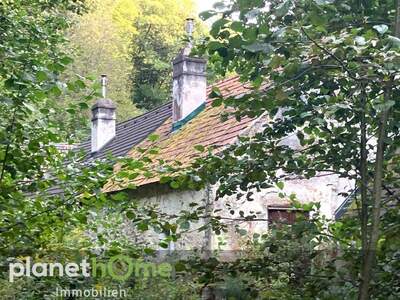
x=189 y=89
x=189 y=27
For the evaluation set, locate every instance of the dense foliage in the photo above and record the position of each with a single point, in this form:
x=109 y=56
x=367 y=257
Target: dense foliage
x=32 y=61
x=325 y=72
x=328 y=71
x=133 y=42
x=157 y=41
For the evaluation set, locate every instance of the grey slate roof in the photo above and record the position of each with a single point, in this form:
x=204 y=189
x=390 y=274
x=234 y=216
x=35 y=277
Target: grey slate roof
x=128 y=134
x=131 y=132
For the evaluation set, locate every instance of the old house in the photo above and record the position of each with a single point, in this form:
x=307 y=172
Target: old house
x=190 y=120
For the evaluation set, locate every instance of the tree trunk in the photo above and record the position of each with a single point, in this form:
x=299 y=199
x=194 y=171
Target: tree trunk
x=363 y=173
x=370 y=253
x=363 y=184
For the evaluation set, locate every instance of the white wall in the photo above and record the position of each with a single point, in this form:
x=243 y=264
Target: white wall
x=172 y=202
x=323 y=189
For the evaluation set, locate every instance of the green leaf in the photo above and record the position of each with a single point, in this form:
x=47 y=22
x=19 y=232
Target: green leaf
x=119 y=196
x=149 y=251
x=199 y=148
x=217 y=102
x=317 y=19
x=163 y=244
x=280 y=185
x=80 y=84
x=237 y=26
x=9 y=83
x=214 y=45
x=130 y=215
x=282 y=9
x=40 y=95
x=300 y=135
x=217 y=26
x=250 y=34
x=257 y=82
x=83 y=105
x=142 y=226
x=71 y=86
x=215 y=93
x=41 y=76
x=174 y=184
x=55 y=90
x=165 y=179
x=179 y=267
x=153 y=151
x=205 y=15
x=259 y=47
x=66 y=60
x=153 y=137
x=242 y=232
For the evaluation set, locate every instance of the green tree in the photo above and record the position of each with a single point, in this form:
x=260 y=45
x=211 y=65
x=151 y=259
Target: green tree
x=49 y=199
x=99 y=44
x=331 y=69
x=160 y=32
x=133 y=42
x=33 y=59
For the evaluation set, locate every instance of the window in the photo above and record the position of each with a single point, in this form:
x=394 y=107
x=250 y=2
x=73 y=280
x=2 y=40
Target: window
x=283 y=215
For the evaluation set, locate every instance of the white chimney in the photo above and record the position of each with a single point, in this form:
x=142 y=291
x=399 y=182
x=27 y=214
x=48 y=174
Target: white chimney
x=189 y=89
x=103 y=120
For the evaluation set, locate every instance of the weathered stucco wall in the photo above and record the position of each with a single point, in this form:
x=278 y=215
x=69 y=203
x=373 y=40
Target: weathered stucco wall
x=170 y=202
x=322 y=189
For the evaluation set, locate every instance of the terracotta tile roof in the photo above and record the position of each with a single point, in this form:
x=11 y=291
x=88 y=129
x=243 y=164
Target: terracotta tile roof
x=205 y=129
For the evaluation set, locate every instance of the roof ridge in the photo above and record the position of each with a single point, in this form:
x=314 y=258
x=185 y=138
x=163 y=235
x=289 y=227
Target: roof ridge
x=224 y=80
x=147 y=112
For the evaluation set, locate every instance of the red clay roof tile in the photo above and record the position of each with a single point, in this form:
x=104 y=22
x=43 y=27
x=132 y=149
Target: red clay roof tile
x=205 y=129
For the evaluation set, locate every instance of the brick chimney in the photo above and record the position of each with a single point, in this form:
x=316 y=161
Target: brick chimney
x=103 y=120
x=189 y=83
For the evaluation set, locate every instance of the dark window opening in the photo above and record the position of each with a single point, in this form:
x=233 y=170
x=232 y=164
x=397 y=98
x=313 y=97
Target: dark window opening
x=284 y=215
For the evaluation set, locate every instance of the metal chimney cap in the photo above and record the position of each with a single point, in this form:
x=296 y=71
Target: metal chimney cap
x=103 y=82
x=189 y=26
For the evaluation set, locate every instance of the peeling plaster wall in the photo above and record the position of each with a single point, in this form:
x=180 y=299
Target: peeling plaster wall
x=170 y=202
x=323 y=189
